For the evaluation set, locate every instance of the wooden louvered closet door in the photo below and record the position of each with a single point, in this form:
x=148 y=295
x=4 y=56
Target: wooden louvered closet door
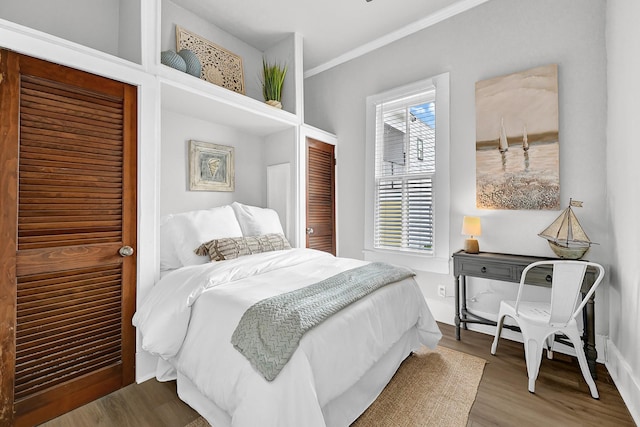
x=68 y=179
x=321 y=196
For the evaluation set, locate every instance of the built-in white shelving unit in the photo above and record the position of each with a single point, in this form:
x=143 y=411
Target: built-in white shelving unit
x=197 y=98
x=122 y=40
x=120 y=30
x=287 y=51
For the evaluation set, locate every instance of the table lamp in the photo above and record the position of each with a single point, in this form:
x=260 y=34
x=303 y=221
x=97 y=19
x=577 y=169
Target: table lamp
x=471 y=227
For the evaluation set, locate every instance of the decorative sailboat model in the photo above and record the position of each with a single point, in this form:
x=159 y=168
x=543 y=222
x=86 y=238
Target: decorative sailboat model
x=566 y=236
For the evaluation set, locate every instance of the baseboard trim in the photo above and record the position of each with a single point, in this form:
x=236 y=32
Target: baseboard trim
x=622 y=375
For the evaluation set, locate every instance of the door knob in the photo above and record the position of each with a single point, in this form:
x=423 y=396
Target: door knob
x=309 y=230
x=126 y=251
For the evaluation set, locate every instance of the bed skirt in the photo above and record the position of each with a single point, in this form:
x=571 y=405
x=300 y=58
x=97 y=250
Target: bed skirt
x=341 y=411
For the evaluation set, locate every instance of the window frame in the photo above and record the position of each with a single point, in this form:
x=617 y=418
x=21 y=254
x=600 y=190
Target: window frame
x=437 y=260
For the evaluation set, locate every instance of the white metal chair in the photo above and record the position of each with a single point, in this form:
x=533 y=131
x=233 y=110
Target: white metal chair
x=539 y=322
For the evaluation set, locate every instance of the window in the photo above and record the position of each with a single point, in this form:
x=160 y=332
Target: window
x=403 y=215
x=407 y=174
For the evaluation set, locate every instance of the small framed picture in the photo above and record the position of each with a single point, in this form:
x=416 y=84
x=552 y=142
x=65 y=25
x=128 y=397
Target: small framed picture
x=211 y=167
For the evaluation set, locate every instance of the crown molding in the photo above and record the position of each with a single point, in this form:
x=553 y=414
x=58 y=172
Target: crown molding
x=432 y=19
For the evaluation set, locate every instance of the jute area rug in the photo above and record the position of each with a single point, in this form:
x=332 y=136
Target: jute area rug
x=431 y=388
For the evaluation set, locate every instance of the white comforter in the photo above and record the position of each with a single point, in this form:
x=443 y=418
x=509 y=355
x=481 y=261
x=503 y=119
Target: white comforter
x=191 y=313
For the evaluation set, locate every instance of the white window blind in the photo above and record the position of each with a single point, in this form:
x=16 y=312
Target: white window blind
x=405 y=167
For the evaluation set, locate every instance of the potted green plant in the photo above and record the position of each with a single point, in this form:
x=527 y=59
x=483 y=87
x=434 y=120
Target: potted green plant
x=272 y=80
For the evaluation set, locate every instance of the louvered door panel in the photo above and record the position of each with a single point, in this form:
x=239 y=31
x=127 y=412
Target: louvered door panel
x=320 y=196
x=75 y=209
x=52 y=213
x=59 y=337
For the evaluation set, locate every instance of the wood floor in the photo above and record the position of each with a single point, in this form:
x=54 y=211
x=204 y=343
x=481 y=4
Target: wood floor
x=562 y=397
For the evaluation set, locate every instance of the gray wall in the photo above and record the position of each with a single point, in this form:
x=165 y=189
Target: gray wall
x=496 y=38
x=250 y=172
x=623 y=197
x=129 y=40
x=98 y=24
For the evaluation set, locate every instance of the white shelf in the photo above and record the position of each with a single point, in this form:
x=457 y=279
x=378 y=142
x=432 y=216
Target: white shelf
x=191 y=96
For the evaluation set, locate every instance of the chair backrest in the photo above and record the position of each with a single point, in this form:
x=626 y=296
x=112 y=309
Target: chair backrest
x=566 y=284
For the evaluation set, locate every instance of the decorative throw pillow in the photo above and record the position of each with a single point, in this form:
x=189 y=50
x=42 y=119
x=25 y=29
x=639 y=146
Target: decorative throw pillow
x=234 y=247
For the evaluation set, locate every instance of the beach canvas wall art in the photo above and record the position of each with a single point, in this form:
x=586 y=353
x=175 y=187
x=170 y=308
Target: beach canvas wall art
x=517 y=144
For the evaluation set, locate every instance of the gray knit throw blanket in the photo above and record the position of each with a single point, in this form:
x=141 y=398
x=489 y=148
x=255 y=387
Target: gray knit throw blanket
x=270 y=330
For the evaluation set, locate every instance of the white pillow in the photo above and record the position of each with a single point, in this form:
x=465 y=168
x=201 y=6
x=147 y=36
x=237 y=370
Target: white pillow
x=168 y=257
x=255 y=221
x=191 y=229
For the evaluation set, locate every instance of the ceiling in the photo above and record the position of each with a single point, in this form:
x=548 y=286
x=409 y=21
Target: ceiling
x=333 y=30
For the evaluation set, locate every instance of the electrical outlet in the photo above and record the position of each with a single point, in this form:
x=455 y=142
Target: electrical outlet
x=442 y=291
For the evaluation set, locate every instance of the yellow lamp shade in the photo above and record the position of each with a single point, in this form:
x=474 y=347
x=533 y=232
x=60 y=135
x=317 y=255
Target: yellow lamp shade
x=471 y=227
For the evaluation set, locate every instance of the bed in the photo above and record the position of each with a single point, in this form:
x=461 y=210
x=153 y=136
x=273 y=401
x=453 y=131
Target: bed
x=339 y=366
